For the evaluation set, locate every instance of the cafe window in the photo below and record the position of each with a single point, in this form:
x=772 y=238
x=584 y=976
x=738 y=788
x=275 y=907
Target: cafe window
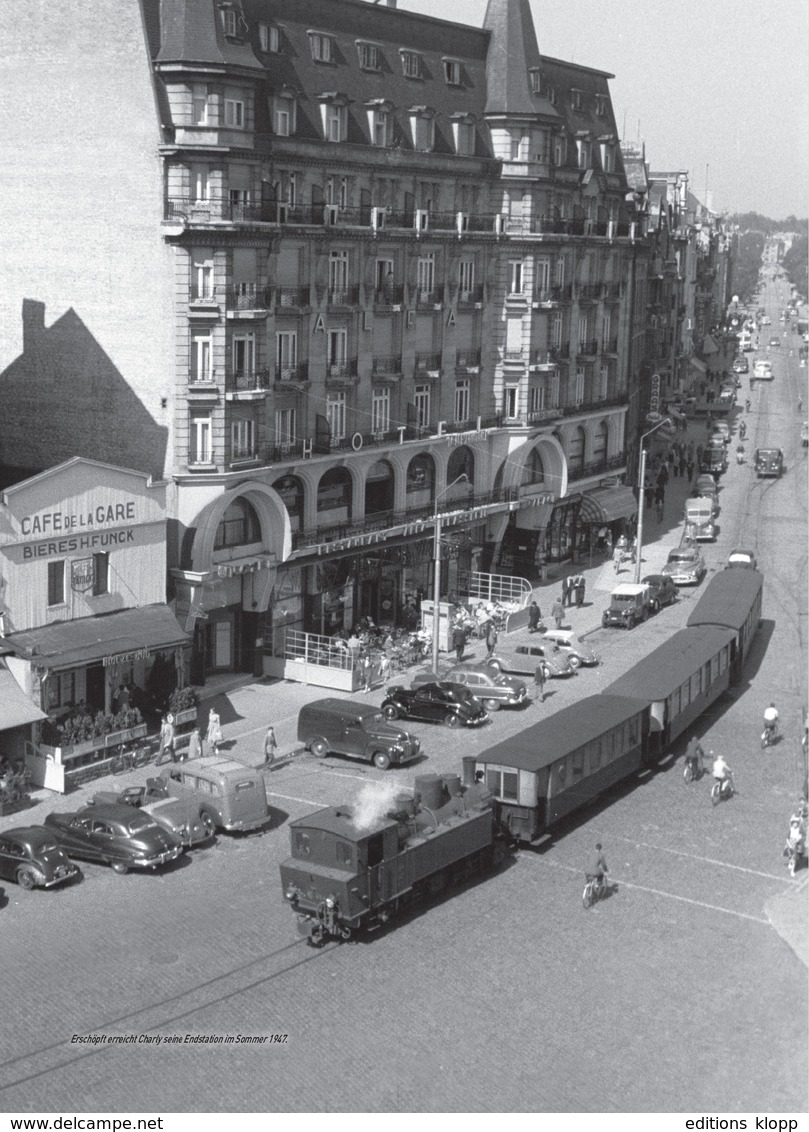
x=101 y=574
x=56 y=582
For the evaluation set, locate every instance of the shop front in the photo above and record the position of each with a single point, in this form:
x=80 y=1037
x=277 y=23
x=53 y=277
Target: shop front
x=607 y=513
x=562 y=531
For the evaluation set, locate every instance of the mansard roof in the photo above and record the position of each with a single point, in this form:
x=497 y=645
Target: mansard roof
x=513 y=52
x=191 y=31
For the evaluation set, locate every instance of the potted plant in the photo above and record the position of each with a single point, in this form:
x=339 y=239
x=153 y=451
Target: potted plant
x=14 y=790
x=183 y=705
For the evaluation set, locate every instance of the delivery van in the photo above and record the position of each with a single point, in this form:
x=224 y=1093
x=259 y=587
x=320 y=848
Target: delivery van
x=699 y=519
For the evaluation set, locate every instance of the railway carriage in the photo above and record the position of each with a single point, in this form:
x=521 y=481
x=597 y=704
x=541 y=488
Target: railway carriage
x=732 y=600
x=558 y=765
x=679 y=681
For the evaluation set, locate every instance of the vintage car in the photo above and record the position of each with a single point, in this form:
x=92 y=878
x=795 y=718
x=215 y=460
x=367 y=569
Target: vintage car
x=685 y=566
x=30 y=856
x=775 y=340
x=714 y=459
x=569 y=643
x=438 y=702
x=115 y=835
x=493 y=689
x=741 y=365
x=525 y=659
x=178 y=815
x=768 y=462
x=722 y=428
x=763 y=371
x=744 y=559
x=662 y=591
x=629 y=604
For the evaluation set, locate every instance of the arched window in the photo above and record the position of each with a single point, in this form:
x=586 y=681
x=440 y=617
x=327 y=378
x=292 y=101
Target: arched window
x=534 y=471
x=379 y=483
x=600 y=443
x=461 y=463
x=420 y=474
x=334 y=491
x=290 y=489
x=239 y=525
x=575 y=452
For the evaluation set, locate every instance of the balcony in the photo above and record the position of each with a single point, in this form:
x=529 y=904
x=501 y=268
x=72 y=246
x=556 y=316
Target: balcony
x=203 y=302
x=612 y=292
x=285 y=374
x=597 y=467
x=248 y=298
x=247 y=385
x=560 y=353
x=341 y=373
x=543 y=416
x=595 y=405
x=291 y=298
x=388 y=297
x=468 y=360
x=428 y=363
x=589 y=292
x=609 y=346
x=588 y=348
x=387 y=366
x=432 y=298
x=203 y=386
x=541 y=360
x=471 y=298
x=343 y=296
x=241 y=454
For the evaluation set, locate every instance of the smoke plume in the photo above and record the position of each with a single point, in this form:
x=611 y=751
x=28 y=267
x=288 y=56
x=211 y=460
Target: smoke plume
x=374 y=802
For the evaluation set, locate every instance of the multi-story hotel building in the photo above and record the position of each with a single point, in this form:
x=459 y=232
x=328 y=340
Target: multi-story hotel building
x=392 y=273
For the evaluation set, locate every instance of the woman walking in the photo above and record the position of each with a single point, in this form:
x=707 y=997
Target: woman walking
x=213 y=736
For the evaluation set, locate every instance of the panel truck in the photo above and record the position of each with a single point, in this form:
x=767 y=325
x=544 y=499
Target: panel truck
x=699 y=519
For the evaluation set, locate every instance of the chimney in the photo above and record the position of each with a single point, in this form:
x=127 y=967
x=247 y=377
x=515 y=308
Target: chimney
x=33 y=324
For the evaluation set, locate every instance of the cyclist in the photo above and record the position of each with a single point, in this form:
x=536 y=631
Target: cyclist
x=722 y=772
x=694 y=754
x=771 y=721
x=598 y=867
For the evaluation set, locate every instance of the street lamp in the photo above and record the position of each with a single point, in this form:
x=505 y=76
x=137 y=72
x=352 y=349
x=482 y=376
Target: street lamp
x=641 y=479
x=462 y=478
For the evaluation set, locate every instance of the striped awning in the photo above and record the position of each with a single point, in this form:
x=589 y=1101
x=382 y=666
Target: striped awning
x=605 y=504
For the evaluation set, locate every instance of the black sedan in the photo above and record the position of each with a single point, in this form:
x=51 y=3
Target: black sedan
x=30 y=856
x=662 y=591
x=115 y=835
x=440 y=702
x=178 y=815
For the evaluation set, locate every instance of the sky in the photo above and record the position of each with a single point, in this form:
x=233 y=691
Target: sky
x=718 y=89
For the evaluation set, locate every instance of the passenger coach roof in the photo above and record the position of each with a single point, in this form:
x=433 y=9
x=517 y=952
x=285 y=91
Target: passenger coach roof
x=671 y=664
x=728 y=599
x=564 y=731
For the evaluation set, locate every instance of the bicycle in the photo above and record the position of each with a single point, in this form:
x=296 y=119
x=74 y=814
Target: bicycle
x=127 y=758
x=721 y=790
x=595 y=889
x=769 y=735
x=693 y=771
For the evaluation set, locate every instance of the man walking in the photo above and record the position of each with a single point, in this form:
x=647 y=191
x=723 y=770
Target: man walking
x=491 y=639
x=558 y=612
x=458 y=642
x=270 y=746
x=540 y=676
x=534 y=615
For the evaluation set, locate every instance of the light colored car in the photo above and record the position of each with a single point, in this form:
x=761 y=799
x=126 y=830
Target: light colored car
x=492 y=688
x=722 y=428
x=685 y=566
x=763 y=371
x=568 y=642
x=524 y=659
x=740 y=558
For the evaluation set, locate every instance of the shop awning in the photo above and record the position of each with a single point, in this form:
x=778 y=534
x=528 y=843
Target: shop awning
x=709 y=346
x=605 y=504
x=128 y=634
x=15 y=707
x=698 y=365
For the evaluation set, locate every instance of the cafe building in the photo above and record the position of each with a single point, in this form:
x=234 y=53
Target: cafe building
x=82 y=590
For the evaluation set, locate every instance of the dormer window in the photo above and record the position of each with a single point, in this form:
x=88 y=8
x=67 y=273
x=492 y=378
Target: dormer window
x=553 y=97
x=422 y=128
x=334 y=116
x=601 y=105
x=322 y=47
x=284 y=106
x=575 y=99
x=463 y=132
x=199 y=104
x=369 y=55
x=411 y=64
x=452 y=71
x=380 y=121
x=229 y=21
x=535 y=78
x=269 y=39
x=560 y=150
x=584 y=147
x=607 y=156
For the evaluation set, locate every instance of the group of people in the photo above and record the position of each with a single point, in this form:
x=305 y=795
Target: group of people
x=194 y=750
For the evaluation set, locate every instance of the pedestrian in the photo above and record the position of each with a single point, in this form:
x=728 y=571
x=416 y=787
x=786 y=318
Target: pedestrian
x=168 y=736
x=660 y=512
x=491 y=639
x=270 y=746
x=194 y=745
x=540 y=676
x=690 y=468
x=649 y=495
x=571 y=589
x=700 y=450
x=683 y=462
x=580 y=584
x=558 y=612
x=617 y=558
x=800 y=404
x=458 y=642
x=214 y=734
x=633 y=550
x=565 y=591
x=690 y=450
x=365 y=669
x=384 y=668
x=534 y=615
x=663 y=475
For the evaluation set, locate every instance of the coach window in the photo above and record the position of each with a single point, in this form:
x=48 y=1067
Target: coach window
x=594 y=752
x=634 y=731
x=723 y=658
x=577 y=761
x=674 y=703
x=714 y=668
x=503 y=784
x=302 y=846
x=685 y=695
x=695 y=686
x=560 y=775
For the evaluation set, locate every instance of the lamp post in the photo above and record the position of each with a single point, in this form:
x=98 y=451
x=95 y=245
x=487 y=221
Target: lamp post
x=641 y=478
x=462 y=478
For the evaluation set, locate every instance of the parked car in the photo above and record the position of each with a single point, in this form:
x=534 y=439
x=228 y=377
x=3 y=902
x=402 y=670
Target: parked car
x=228 y=794
x=722 y=428
x=524 y=659
x=629 y=604
x=179 y=815
x=768 y=462
x=763 y=371
x=440 y=702
x=356 y=729
x=745 y=559
x=699 y=518
x=662 y=591
x=492 y=688
x=569 y=643
x=714 y=459
x=706 y=485
x=741 y=365
x=115 y=835
x=31 y=857
x=685 y=566
x=727 y=394
x=775 y=340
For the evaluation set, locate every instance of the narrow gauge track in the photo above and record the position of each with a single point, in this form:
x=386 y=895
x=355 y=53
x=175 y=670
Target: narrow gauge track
x=162 y=1014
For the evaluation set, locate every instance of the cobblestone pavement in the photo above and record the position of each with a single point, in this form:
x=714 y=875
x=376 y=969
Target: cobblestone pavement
x=674 y=994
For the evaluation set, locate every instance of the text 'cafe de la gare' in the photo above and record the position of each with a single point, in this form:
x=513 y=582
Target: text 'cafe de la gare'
x=82 y=595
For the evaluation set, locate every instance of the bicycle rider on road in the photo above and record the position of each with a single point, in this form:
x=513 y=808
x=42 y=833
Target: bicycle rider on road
x=771 y=720
x=598 y=867
x=722 y=772
x=694 y=755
